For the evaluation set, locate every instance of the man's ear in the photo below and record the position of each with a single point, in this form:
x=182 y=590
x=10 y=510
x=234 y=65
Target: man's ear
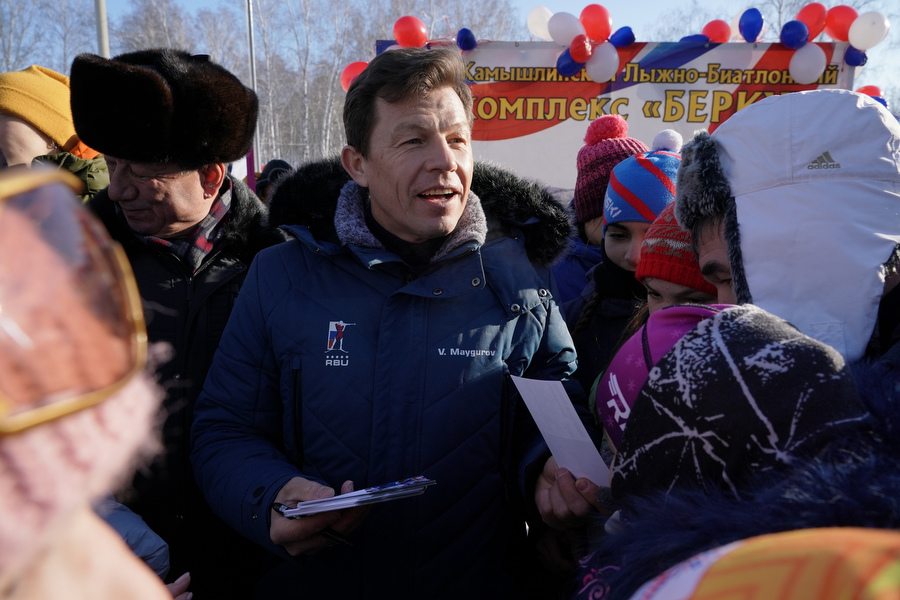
x=211 y=178
x=355 y=164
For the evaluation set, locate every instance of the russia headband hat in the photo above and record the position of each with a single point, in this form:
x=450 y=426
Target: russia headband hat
x=758 y=172
x=40 y=97
x=641 y=186
x=162 y=106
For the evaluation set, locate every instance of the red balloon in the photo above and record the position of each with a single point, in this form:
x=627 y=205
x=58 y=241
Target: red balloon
x=581 y=49
x=351 y=72
x=410 y=32
x=717 y=31
x=597 y=22
x=813 y=16
x=838 y=22
x=871 y=90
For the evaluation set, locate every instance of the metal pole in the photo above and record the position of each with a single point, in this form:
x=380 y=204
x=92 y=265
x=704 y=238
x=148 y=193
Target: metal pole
x=102 y=31
x=257 y=155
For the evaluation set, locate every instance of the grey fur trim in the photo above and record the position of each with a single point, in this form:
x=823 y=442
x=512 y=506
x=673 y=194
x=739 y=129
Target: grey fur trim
x=732 y=235
x=701 y=190
x=703 y=196
x=350 y=222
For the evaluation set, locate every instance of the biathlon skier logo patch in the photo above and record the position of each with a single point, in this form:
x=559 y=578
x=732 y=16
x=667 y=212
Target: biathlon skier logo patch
x=336 y=355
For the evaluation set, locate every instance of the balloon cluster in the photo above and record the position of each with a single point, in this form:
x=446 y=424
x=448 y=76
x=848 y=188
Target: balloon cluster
x=840 y=23
x=589 y=40
x=590 y=43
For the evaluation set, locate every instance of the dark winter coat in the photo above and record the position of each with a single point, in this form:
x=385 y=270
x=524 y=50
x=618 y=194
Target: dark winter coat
x=571 y=271
x=853 y=482
x=415 y=384
x=188 y=311
x=600 y=316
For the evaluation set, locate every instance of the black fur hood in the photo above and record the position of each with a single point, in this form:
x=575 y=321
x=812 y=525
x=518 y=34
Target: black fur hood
x=853 y=482
x=308 y=196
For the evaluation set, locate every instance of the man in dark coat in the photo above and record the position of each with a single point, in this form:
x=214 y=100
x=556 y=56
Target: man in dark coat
x=169 y=123
x=436 y=274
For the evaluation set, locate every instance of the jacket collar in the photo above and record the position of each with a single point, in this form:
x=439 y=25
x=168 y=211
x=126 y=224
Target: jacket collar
x=511 y=206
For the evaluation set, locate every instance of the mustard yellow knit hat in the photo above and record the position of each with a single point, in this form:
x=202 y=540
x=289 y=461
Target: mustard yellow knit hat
x=40 y=97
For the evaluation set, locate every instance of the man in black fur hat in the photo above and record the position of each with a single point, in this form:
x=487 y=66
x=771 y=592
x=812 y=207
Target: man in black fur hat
x=168 y=123
x=377 y=346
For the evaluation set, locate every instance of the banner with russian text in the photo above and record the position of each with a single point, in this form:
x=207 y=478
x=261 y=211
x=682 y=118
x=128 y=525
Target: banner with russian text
x=533 y=121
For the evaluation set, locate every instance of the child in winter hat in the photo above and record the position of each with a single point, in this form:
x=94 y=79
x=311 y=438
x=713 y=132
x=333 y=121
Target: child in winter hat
x=668 y=267
x=639 y=189
x=641 y=186
x=40 y=98
x=606 y=145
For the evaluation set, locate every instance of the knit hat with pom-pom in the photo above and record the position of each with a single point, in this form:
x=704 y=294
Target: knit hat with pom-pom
x=641 y=186
x=606 y=145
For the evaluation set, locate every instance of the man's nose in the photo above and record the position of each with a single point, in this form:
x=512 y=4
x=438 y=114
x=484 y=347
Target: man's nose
x=442 y=157
x=121 y=187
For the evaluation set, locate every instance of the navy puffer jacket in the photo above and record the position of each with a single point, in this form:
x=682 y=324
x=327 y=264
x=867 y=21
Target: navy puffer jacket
x=339 y=363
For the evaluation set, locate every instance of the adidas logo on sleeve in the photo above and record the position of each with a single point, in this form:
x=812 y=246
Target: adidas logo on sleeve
x=824 y=161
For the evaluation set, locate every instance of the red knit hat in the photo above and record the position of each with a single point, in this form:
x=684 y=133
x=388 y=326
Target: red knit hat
x=606 y=145
x=667 y=254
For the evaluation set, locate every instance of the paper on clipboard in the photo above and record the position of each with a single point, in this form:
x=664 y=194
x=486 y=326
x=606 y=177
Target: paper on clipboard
x=404 y=488
x=563 y=431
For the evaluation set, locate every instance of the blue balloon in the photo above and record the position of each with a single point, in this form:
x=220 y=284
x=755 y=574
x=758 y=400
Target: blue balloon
x=697 y=38
x=751 y=24
x=622 y=37
x=465 y=39
x=794 y=34
x=566 y=65
x=854 y=57
x=883 y=101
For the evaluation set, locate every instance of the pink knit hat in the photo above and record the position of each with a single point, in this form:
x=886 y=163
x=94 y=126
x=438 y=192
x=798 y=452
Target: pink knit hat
x=667 y=254
x=606 y=145
x=630 y=367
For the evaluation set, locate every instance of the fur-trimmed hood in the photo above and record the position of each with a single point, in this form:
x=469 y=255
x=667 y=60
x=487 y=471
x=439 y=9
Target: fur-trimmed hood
x=309 y=196
x=808 y=187
x=245 y=233
x=853 y=482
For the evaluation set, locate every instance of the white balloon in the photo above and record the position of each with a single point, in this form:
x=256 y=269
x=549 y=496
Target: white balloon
x=867 y=30
x=603 y=63
x=537 y=22
x=564 y=27
x=807 y=64
x=736 y=28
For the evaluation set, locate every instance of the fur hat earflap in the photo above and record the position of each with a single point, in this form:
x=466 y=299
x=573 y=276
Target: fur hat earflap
x=701 y=189
x=162 y=106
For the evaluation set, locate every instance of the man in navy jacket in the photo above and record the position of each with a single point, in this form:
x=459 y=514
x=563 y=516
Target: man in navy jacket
x=378 y=345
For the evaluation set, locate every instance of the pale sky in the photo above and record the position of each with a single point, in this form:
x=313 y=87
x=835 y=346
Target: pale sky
x=642 y=16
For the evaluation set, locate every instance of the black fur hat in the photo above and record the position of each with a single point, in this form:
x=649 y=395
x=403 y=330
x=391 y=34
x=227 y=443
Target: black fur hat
x=162 y=106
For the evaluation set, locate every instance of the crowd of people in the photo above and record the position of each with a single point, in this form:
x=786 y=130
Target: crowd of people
x=184 y=358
